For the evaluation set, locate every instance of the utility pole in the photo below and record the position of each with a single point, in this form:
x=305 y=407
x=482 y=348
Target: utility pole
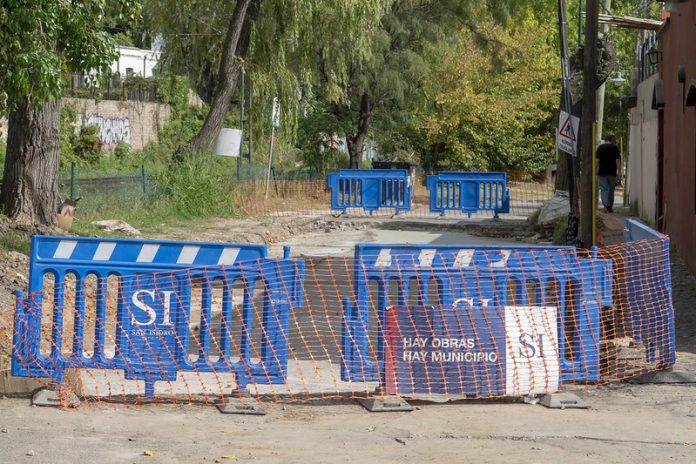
x=589 y=114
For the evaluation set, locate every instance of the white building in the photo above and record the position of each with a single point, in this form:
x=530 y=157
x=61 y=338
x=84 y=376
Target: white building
x=136 y=61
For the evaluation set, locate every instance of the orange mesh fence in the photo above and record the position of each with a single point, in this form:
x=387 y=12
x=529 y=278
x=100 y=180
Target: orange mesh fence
x=301 y=197
x=433 y=323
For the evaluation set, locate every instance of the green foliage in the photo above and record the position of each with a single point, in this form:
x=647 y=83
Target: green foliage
x=122 y=150
x=559 y=231
x=182 y=126
x=79 y=146
x=68 y=118
x=86 y=145
x=391 y=77
x=286 y=38
x=3 y=151
x=193 y=33
x=197 y=188
x=173 y=90
x=624 y=41
x=492 y=109
x=316 y=138
x=122 y=38
x=127 y=30
x=83 y=146
x=40 y=40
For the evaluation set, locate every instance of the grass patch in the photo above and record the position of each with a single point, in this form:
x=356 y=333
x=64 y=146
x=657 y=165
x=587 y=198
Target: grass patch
x=196 y=188
x=15 y=241
x=177 y=196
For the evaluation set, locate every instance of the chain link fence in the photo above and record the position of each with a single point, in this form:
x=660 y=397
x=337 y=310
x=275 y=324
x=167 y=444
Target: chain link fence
x=100 y=192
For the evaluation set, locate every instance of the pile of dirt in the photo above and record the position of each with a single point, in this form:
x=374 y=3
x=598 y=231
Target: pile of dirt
x=268 y=230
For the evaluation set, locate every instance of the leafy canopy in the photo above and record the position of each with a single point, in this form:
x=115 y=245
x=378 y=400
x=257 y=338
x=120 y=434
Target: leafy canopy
x=40 y=39
x=286 y=37
x=409 y=38
x=493 y=110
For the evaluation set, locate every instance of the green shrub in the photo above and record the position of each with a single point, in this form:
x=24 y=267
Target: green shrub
x=68 y=116
x=122 y=150
x=80 y=146
x=86 y=145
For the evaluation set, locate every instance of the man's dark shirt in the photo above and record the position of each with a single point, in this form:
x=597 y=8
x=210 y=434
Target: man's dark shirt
x=607 y=154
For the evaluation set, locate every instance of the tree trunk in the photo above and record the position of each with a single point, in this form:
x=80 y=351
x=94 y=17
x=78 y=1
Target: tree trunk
x=356 y=143
x=236 y=45
x=30 y=186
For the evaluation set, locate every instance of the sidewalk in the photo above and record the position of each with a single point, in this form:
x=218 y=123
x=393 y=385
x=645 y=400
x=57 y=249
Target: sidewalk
x=610 y=226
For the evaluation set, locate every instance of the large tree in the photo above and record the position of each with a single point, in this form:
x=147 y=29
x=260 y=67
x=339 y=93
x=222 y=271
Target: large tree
x=387 y=85
x=275 y=40
x=382 y=84
x=39 y=39
x=492 y=106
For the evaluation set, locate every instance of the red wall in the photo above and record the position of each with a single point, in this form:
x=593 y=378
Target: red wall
x=678 y=45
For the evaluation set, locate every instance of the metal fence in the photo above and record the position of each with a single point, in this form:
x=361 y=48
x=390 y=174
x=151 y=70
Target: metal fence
x=101 y=192
x=111 y=88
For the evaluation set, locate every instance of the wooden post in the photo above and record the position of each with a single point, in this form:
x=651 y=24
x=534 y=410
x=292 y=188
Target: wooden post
x=589 y=113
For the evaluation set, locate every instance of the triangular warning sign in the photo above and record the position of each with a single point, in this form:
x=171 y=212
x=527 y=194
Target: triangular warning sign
x=567 y=129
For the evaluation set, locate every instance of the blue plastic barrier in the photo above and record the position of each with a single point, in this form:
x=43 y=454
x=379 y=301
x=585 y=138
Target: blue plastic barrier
x=649 y=282
x=479 y=279
x=469 y=192
x=154 y=308
x=370 y=189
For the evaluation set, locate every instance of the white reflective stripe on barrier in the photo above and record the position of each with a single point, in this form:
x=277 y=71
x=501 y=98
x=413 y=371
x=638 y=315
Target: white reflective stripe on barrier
x=147 y=253
x=65 y=249
x=104 y=251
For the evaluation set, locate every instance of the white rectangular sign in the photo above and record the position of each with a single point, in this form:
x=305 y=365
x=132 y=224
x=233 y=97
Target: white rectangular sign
x=567 y=136
x=276 y=112
x=229 y=142
x=532 y=358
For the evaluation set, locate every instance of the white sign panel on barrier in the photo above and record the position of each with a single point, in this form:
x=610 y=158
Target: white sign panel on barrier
x=532 y=355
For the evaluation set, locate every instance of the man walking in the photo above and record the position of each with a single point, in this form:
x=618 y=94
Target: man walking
x=609 y=172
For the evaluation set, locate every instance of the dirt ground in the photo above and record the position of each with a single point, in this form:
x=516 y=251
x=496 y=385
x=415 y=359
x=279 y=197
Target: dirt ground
x=627 y=423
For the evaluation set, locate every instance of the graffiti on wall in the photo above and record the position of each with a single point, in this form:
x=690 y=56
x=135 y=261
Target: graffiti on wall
x=111 y=130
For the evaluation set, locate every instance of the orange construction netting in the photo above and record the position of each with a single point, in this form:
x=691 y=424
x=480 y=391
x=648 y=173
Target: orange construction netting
x=332 y=327
x=303 y=197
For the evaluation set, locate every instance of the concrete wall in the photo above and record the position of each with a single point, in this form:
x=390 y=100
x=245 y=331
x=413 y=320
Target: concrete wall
x=135 y=123
x=677 y=40
x=642 y=153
